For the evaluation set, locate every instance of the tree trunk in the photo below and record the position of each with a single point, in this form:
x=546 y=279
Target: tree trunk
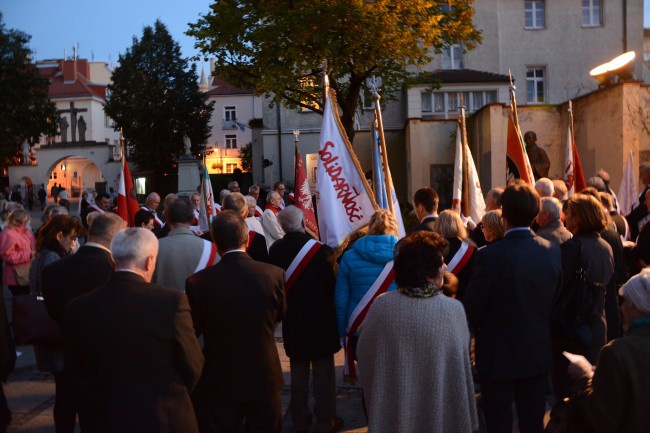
x=348 y=103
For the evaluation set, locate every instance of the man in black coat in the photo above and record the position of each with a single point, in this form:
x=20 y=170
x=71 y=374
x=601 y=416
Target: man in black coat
x=639 y=213
x=309 y=328
x=425 y=202
x=256 y=246
x=235 y=306
x=508 y=304
x=132 y=346
x=68 y=278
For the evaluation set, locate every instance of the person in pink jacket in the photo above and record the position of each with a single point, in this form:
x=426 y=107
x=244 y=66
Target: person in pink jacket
x=17 y=247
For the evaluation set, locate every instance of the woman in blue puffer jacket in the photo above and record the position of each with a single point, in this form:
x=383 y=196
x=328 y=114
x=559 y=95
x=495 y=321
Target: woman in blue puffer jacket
x=362 y=264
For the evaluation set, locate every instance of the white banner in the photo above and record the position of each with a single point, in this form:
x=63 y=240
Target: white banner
x=627 y=193
x=569 y=164
x=345 y=203
x=476 y=205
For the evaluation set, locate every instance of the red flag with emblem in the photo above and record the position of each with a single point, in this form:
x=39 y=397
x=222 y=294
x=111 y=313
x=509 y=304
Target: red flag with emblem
x=302 y=198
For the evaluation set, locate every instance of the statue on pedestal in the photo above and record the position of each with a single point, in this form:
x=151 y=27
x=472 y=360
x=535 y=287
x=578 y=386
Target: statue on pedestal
x=538 y=158
x=63 y=125
x=187 y=144
x=26 y=151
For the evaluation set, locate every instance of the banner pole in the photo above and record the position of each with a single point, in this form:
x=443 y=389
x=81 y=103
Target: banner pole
x=382 y=146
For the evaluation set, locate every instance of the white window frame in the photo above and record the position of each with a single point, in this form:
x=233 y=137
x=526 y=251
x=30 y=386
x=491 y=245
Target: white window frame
x=230 y=113
x=440 y=105
x=536 y=9
x=590 y=7
x=536 y=80
x=231 y=141
x=451 y=61
x=426 y=99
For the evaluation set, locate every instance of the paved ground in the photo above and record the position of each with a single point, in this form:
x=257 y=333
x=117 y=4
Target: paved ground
x=31 y=393
x=31 y=397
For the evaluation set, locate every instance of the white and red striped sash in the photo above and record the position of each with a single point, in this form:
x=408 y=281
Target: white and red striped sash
x=95 y=207
x=208 y=255
x=460 y=259
x=159 y=222
x=258 y=211
x=300 y=262
x=381 y=284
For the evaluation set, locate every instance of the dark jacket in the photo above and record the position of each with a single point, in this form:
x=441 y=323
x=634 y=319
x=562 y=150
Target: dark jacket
x=309 y=328
x=72 y=276
x=236 y=305
x=637 y=214
x=132 y=346
x=426 y=224
x=618 y=397
x=463 y=273
x=508 y=303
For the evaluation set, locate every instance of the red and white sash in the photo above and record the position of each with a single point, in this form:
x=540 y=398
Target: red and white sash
x=217 y=207
x=460 y=259
x=94 y=206
x=300 y=262
x=208 y=255
x=258 y=211
x=158 y=221
x=381 y=284
x=251 y=236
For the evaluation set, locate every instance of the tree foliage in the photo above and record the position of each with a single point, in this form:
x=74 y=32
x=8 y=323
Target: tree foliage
x=155 y=98
x=246 y=157
x=279 y=46
x=26 y=111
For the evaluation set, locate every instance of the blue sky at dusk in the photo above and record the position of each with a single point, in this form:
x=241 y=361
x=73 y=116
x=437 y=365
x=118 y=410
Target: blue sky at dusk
x=103 y=30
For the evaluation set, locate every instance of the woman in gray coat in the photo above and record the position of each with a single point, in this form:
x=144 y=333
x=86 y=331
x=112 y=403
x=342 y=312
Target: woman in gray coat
x=413 y=348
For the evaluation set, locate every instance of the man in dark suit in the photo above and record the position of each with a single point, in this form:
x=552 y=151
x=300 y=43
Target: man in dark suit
x=638 y=215
x=256 y=246
x=309 y=329
x=425 y=202
x=508 y=304
x=83 y=271
x=235 y=306
x=68 y=278
x=132 y=346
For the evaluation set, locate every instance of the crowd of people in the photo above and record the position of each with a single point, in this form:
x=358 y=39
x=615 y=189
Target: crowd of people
x=167 y=328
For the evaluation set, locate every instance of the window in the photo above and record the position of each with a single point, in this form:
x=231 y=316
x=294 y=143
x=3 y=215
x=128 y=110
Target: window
x=535 y=85
x=229 y=117
x=426 y=102
x=452 y=57
x=591 y=13
x=446 y=103
x=307 y=83
x=230 y=168
x=231 y=142
x=534 y=12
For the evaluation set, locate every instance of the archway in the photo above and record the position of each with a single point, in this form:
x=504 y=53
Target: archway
x=76 y=174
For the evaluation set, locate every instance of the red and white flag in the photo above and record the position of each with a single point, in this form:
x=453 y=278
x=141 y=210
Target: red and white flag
x=207 y=209
x=302 y=198
x=573 y=175
x=628 y=193
x=127 y=204
x=345 y=199
x=517 y=162
x=467 y=195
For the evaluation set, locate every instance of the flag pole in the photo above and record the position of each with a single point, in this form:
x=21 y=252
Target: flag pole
x=464 y=205
x=326 y=83
x=374 y=85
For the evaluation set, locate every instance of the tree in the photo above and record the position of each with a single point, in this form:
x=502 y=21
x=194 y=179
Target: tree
x=155 y=99
x=26 y=111
x=278 y=47
x=246 y=157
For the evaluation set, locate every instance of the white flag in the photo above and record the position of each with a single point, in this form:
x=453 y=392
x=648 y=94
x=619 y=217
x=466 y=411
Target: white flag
x=569 y=165
x=344 y=199
x=627 y=193
x=475 y=206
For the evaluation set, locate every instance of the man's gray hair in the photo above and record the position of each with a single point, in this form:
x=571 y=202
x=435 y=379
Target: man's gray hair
x=151 y=196
x=552 y=207
x=271 y=196
x=290 y=219
x=253 y=188
x=222 y=194
x=598 y=183
x=250 y=201
x=232 y=183
x=131 y=246
x=235 y=201
x=544 y=187
x=104 y=228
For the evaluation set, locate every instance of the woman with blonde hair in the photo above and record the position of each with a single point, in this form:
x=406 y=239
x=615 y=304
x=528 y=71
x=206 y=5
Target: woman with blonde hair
x=460 y=255
x=17 y=248
x=361 y=266
x=492 y=226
